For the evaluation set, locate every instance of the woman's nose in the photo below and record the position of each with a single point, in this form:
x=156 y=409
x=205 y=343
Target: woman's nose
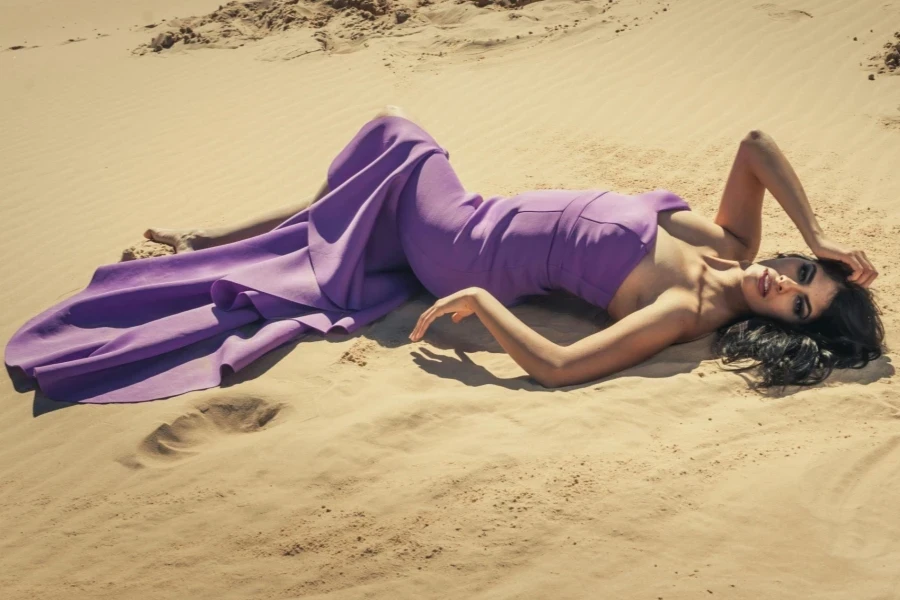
x=785 y=283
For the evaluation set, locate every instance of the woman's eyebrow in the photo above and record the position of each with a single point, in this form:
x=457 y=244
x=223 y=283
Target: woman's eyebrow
x=809 y=281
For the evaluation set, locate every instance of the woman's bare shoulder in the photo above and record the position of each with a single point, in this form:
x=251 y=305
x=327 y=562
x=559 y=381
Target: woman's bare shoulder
x=697 y=319
x=695 y=229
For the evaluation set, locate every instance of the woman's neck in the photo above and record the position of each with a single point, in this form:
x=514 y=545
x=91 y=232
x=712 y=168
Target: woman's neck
x=723 y=279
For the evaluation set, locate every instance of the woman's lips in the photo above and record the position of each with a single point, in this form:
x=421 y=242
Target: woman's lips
x=761 y=284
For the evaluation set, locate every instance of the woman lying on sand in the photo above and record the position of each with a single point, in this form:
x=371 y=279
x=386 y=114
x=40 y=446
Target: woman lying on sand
x=392 y=216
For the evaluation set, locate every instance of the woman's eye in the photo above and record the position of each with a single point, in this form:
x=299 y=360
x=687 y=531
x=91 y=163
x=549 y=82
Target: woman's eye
x=804 y=270
x=798 y=307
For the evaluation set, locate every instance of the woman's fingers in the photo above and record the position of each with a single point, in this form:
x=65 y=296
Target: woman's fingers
x=415 y=330
x=440 y=308
x=863 y=270
x=871 y=271
x=460 y=315
x=459 y=304
x=422 y=324
x=864 y=276
x=870 y=276
x=425 y=322
x=854 y=263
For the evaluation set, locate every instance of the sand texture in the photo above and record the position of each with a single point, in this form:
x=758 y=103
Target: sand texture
x=366 y=466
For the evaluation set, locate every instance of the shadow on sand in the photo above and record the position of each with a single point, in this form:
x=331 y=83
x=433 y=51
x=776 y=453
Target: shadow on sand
x=562 y=318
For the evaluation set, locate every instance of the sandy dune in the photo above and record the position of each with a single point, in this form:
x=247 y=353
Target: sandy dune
x=368 y=467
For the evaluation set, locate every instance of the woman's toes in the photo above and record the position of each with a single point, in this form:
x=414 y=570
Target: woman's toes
x=186 y=243
x=183 y=240
x=392 y=110
x=163 y=236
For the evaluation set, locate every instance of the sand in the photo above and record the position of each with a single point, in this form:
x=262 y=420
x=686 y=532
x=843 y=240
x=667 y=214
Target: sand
x=366 y=466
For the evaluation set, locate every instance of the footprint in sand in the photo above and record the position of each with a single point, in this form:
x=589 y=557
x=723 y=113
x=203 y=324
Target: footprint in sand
x=198 y=429
x=780 y=14
x=359 y=353
x=892 y=123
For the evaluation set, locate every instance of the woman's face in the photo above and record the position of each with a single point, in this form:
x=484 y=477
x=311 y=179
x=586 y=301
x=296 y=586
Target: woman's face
x=789 y=289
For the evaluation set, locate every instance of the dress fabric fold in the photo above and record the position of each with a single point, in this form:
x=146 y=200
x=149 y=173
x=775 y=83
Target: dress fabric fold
x=396 y=220
x=159 y=327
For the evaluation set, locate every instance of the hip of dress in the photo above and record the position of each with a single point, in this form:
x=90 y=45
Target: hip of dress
x=512 y=247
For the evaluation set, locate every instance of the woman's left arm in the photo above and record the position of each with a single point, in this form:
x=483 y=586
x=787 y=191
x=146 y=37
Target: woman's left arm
x=626 y=343
x=758 y=166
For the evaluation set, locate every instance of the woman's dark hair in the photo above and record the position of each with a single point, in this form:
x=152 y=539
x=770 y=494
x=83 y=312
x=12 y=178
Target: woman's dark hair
x=848 y=334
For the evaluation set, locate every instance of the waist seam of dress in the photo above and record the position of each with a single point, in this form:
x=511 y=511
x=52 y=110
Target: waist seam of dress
x=562 y=266
x=584 y=200
x=469 y=271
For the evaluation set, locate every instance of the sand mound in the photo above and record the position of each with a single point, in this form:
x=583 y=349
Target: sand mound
x=891 y=54
x=888 y=60
x=442 y=28
x=146 y=249
x=235 y=23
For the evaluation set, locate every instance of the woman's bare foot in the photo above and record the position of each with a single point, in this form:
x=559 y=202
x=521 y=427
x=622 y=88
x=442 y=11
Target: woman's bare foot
x=183 y=240
x=392 y=110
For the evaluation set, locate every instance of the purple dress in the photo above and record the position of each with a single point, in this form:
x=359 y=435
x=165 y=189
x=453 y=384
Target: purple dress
x=396 y=218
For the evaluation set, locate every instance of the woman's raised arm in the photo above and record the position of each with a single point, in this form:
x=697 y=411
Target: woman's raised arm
x=760 y=165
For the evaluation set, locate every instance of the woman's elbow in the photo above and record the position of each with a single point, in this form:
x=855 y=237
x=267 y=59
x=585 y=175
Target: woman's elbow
x=559 y=375
x=551 y=376
x=550 y=380
x=754 y=135
x=757 y=138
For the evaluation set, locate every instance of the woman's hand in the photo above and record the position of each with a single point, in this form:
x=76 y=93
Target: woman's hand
x=863 y=271
x=462 y=304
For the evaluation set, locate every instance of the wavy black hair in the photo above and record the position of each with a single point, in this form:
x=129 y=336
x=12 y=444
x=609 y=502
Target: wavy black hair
x=848 y=334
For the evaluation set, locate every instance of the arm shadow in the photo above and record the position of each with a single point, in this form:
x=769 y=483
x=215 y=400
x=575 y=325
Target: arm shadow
x=564 y=319
x=560 y=317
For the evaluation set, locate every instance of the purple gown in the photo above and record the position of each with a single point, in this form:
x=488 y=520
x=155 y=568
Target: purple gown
x=396 y=218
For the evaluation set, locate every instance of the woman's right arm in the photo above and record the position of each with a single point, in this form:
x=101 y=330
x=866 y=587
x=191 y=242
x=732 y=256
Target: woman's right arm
x=625 y=343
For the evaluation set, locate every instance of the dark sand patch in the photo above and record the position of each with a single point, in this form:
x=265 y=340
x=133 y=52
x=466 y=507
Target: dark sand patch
x=146 y=249
x=236 y=23
x=888 y=60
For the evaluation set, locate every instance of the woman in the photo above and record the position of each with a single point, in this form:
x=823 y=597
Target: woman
x=392 y=216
